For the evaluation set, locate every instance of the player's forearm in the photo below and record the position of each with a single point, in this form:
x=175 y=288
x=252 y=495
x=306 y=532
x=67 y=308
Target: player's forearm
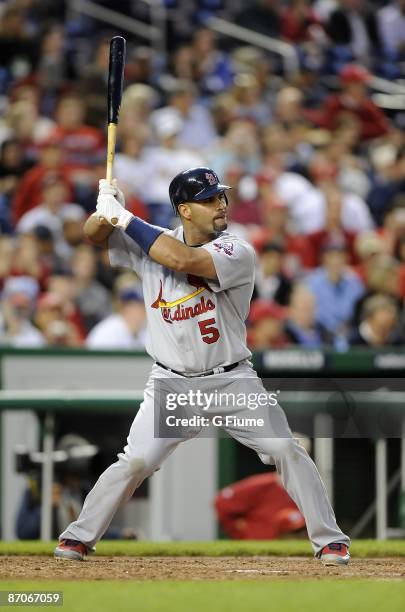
x=168 y=251
x=97 y=231
x=176 y=255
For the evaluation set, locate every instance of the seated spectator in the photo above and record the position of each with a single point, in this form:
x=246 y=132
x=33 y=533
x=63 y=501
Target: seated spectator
x=52 y=319
x=297 y=21
x=45 y=245
x=196 y=127
x=125 y=328
x=92 y=299
x=265 y=326
x=393 y=227
x=334 y=227
x=367 y=247
x=388 y=176
x=353 y=100
x=275 y=219
x=336 y=290
x=353 y=24
x=391 y=23
x=271 y=282
x=379 y=325
x=26 y=260
x=258 y=508
x=52 y=211
x=249 y=101
x=12 y=168
x=300 y=326
x=382 y=278
x=162 y=163
x=29 y=191
x=213 y=70
x=18 y=45
x=17 y=305
x=82 y=145
x=239 y=146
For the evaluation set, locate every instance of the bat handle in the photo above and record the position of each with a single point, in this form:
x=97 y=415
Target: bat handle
x=111 y=139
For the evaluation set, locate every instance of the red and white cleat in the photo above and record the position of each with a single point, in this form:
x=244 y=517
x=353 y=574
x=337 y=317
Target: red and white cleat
x=72 y=550
x=335 y=554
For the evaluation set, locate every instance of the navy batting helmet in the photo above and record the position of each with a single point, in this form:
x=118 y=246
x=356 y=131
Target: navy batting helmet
x=194 y=185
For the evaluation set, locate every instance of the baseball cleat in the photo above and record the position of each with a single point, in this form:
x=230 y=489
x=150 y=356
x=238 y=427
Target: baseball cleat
x=72 y=550
x=335 y=554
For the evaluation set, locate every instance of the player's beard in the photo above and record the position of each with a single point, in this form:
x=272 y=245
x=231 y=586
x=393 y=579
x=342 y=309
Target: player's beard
x=220 y=224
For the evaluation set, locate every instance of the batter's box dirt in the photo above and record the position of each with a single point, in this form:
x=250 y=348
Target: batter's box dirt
x=195 y=568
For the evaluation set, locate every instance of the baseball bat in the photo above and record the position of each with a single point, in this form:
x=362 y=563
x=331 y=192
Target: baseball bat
x=114 y=95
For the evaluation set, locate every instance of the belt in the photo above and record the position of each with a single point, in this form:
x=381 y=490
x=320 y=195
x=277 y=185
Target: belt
x=218 y=370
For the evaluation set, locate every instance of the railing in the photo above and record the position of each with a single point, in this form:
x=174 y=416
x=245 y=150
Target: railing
x=155 y=33
x=287 y=51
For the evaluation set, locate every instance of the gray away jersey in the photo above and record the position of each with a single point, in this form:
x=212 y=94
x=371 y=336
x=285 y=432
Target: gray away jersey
x=194 y=324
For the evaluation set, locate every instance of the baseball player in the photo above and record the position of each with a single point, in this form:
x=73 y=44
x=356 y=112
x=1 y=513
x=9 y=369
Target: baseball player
x=197 y=282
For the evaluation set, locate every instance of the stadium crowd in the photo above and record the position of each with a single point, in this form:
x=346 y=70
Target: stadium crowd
x=317 y=168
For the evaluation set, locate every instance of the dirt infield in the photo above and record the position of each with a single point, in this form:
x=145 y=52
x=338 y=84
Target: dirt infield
x=194 y=568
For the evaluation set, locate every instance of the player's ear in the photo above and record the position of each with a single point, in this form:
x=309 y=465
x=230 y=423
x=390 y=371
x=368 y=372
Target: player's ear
x=184 y=210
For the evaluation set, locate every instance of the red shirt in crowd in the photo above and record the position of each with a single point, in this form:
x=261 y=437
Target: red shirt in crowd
x=373 y=122
x=257 y=508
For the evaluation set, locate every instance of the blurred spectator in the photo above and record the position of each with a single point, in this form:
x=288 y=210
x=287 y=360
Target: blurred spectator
x=52 y=211
x=353 y=25
x=138 y=101
x=275 y=219
x=379 y=323
x=249 y=101
x=297 y=21
x=18 y=47
x=382 y=275
x=92 y=83
x=12 y=168
x=26 y=260
x=55 y=68
x=17 y=305
x=368 y=246
x=391 y=22
x=29 y=191
x=125 y=328
x=334 y=229
x=213 y=70
x=300 y=326
x=238 y=147
x=23 y=123
x=82 y=145
x=271 y=282
x=129 y=164
x=388 y=176
x=164 y=161
x=196 y=128
x=393 y=227
x=353 y=101
x=258 y=508
x=92 y=299
x=265 y=325
x=336 y=290
x=262 y=16
x=52 y=320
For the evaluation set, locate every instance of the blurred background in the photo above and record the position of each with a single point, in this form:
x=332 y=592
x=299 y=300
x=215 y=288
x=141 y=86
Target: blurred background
x=300 y=106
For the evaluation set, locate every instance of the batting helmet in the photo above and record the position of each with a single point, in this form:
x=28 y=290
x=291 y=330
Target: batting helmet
x=194 y=185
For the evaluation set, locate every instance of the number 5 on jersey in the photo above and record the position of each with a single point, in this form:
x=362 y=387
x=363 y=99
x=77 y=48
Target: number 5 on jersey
x=209 y=333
